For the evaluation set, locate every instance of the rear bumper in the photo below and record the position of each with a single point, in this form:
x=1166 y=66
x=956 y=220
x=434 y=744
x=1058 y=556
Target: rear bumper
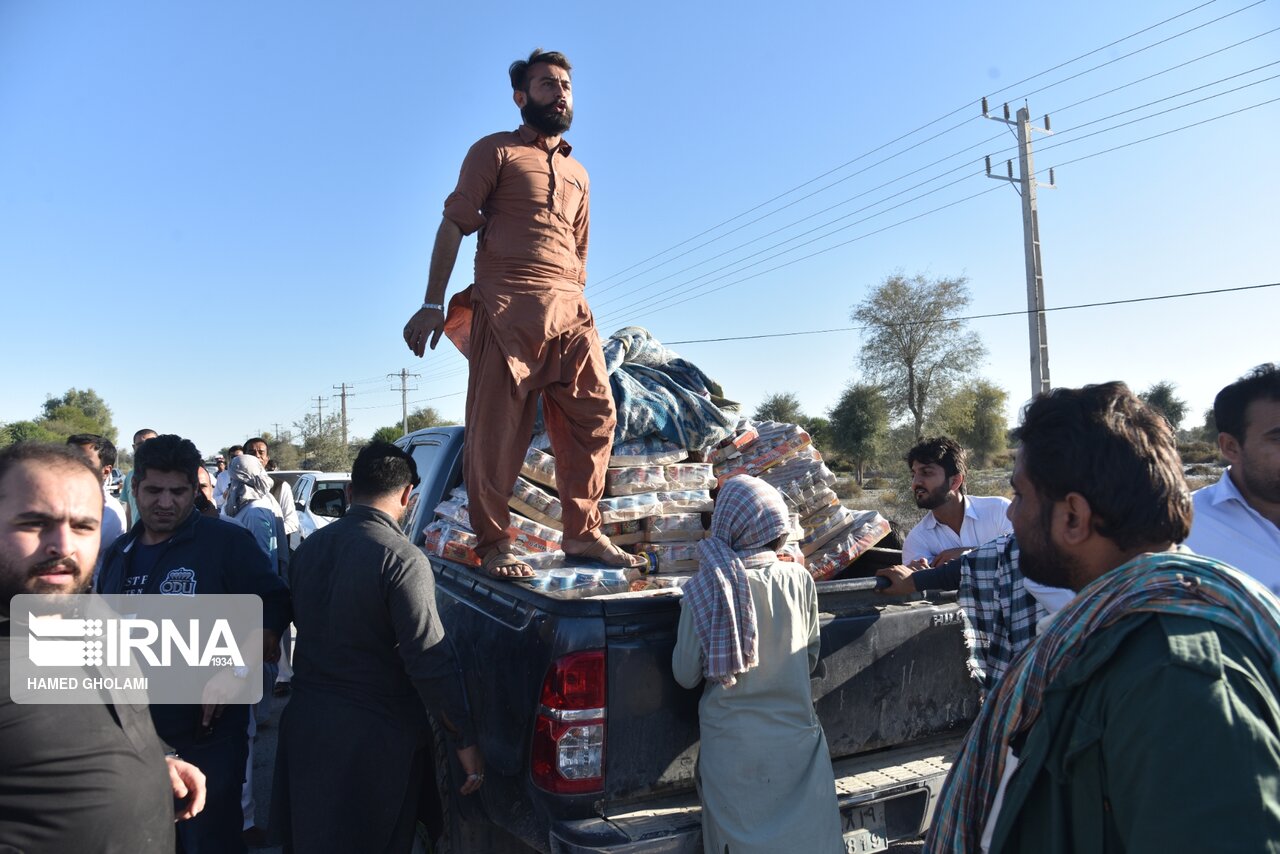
x=906 y=780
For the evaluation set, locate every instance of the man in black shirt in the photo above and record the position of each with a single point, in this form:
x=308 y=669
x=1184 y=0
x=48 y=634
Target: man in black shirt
x=370 y=661
x=174 y=550
x=83 y=778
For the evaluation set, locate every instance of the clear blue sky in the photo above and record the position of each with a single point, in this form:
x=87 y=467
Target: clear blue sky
x=213 y=213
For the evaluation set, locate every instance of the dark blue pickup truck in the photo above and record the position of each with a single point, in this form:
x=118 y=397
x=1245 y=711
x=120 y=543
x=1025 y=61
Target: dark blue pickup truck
x=590 y=744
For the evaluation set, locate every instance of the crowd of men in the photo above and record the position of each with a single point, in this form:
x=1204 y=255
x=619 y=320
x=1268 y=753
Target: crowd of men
x=1121 y=670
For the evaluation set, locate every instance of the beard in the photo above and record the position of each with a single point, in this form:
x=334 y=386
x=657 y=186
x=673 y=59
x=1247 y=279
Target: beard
x=15 y=579
x=1260 y=483
x=1042 y=561
x=932 y=500
x=545 y=119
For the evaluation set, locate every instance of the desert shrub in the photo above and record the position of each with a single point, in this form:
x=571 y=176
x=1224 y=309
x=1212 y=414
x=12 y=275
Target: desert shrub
x=847 y=487
x=1198 y=452
x=876 y=483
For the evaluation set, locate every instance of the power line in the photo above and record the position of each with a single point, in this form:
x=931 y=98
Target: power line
x=929 y=124
x=634 y=292
x=986 y=316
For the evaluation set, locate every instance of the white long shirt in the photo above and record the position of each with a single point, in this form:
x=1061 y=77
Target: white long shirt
x=1227 y=528
x=984 y=520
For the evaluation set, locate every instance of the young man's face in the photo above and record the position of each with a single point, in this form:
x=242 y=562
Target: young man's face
x=206 y=482
x=165 y=499
x=546 y=103
x=1039 y=558
x=92 y=456
x=1256 y=460
x=50 y=516
x=930 y=485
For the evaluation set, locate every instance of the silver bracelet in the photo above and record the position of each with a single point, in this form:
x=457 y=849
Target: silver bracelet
x=437 y=306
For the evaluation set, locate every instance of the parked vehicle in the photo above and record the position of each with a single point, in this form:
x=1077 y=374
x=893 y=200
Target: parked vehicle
x=312 y=514
x=591 y=745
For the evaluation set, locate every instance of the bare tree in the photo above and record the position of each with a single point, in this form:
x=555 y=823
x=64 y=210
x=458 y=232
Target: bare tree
x=911 y=348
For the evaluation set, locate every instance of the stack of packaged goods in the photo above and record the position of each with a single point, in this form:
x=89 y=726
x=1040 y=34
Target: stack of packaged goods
x=451 y=536
x=783 y=456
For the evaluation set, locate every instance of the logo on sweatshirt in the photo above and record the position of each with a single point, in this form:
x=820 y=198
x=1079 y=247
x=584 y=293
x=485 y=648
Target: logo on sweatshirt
x=179 y=582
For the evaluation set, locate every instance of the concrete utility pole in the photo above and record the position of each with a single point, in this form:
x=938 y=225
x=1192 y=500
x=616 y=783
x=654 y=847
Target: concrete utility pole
x=404 y=396
x=1026 y=185
x=344 y=413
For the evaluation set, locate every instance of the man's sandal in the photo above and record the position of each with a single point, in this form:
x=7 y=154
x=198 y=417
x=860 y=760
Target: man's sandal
x=498 y=564
x=600 y=551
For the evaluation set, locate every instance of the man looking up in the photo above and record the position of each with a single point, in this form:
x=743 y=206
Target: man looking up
x=524 y=325
x=175 y=550
x=1162 y=673
x=73 y=777
x=371 y=658
x=1238 y=518
x=956 y=522
x=101 y=455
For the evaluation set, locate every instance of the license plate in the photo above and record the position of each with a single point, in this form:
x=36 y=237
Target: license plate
x=863 y=829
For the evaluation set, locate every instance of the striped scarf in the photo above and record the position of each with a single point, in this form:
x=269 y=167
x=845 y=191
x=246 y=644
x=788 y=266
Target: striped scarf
x=750 y=514
x=1175 y=582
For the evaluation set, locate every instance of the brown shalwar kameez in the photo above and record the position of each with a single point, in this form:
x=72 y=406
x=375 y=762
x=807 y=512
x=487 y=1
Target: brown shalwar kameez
x=526 y=330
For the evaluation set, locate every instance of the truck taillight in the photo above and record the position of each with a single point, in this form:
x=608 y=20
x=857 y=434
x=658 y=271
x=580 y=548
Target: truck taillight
x=568 y=735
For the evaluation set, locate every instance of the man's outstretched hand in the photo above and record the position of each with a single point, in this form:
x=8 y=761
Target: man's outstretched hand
x=427 y=324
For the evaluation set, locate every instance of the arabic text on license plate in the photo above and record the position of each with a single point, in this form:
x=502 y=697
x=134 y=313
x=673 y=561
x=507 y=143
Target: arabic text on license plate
x=864 y=829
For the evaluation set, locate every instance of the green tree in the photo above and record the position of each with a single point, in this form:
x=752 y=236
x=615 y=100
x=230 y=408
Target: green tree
x=1161 y=397
x=819 y=430
x=911 y=349
x=322 y=446
x=1209 y=430
x=77 y=411
x=783 y=407
x=28 y=431
x=859 y=424
x=386 y=434
x=975 y=417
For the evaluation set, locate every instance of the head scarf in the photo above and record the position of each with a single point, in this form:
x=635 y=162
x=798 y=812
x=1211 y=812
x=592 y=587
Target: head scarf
x=749 y=516
x=248 y=482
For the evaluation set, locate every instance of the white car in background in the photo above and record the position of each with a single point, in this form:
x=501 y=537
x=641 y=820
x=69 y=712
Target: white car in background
x=317 y=503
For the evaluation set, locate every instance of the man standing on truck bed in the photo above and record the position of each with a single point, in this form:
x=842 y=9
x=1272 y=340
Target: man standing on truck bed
x=1161 y=674
x=525 y=325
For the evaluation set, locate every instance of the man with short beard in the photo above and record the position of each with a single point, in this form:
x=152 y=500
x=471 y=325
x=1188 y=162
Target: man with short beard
x=73 y=777
x=525 y=325
x=956 y=522
x=174 y=550
x=1238 y=518
x=1146 y=715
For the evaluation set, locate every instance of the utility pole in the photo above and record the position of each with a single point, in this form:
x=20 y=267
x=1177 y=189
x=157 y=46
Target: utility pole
x=404 y=396
x=344 y=413
x=319 y=414
x=276 y=435
x=1026 y=185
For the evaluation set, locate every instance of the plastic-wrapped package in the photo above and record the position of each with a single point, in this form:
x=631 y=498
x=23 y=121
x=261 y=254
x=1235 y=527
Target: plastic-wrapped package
x=544 y=560
x=685 y=501
x=813 y=502
x=625 y=507
x=744 y=435
x=628 y=480
x=536 y=503
x=671 y=557
x=804 y=466
x=578 y=582
x=824 y=527
x=530 y=536
x=649 y=451
x=868 y=528
x=539 y=467
x=776 y=441
x=451 y=543
x=624 y=533
x=689 y=476
x=677 y=528
x=659 y=582
x=454 y=510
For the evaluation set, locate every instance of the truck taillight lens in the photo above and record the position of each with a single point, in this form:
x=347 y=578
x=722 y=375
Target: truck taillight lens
x=568 y=735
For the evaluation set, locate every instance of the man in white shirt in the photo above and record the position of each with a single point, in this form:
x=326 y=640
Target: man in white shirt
x=956 y=522
x=101 y=454
x=1237 y=519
